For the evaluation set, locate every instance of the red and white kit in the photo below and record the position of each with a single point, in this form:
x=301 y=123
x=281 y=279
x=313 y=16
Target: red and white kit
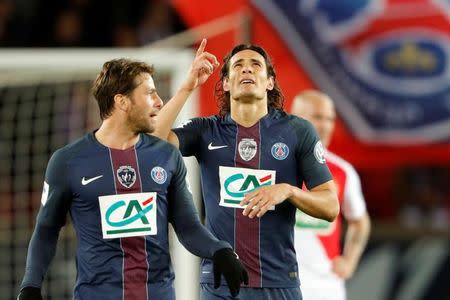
x=317 y=242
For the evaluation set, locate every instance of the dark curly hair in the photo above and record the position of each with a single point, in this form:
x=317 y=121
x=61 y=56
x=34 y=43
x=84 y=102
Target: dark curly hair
x=275 y=96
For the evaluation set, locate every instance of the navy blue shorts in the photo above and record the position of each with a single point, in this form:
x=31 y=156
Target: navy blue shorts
x=208 y=292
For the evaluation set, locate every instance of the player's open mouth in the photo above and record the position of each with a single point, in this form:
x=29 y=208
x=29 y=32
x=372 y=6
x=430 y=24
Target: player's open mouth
x=247 y=81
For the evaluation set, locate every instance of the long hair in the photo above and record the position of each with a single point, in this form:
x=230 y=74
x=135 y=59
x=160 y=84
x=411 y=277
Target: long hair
x=275 y=97
x=118 y=76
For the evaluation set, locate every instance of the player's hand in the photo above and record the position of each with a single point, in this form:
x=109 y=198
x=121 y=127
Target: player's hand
x=30 y=293
x=343 y=267
x=202 y=67
x=226 y=262
x=263 y=198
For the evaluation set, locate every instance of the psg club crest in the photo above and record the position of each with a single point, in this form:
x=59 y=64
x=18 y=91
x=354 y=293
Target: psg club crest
x=280 y=151
x=126 y=176
x=159 y=175
x=247 y=149
x=386 y=64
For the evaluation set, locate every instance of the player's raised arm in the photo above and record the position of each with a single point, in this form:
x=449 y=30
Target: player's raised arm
x=202 y=67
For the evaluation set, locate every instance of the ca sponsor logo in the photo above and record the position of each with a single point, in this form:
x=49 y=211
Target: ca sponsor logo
x=235 y=183
x=304 y=221
x=128 y=215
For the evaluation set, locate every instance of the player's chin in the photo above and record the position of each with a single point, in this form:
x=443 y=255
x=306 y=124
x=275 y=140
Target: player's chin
x=151 y=127
x=148 y=127
x=247 y=97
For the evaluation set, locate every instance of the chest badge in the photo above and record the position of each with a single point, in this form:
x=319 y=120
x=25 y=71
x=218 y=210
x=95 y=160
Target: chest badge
x=126 y=176
x=159 y=175
x=247 y=149
x=280 y=151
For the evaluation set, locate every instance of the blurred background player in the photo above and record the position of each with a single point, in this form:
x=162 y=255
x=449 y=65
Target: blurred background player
x=122 y=187
x=323 y=267
x=254 y=158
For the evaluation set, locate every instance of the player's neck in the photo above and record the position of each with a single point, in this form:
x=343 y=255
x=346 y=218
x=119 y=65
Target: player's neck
x=247 y=114
x=114 y=134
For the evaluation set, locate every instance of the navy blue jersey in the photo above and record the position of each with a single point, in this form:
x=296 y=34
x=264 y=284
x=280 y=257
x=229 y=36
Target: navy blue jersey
x=234 y=160
x=120 y=203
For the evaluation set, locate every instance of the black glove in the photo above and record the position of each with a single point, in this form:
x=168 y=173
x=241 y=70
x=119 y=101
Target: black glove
x=30 y=293
x=226 y=262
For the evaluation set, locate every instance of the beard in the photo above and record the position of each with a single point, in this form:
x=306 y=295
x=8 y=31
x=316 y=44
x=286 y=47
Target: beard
x=139 y=123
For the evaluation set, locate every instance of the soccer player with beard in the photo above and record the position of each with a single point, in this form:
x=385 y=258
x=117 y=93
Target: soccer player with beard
x=122 y=187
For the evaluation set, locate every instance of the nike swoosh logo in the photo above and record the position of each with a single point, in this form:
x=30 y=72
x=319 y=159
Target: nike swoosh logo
x=211 y=147
x=85 y=181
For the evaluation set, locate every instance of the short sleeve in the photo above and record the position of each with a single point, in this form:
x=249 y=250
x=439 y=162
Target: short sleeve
x=354 y=206
x=189 y=135
x=311 y=155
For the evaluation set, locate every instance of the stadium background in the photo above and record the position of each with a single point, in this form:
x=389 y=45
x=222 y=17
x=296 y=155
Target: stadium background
x=45 y=103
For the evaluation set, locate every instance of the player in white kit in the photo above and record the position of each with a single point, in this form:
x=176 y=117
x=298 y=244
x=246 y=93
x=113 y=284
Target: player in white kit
x=323 y=265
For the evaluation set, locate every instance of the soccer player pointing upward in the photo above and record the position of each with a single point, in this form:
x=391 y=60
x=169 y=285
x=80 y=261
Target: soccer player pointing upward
x=254 y=158
x=122 y=187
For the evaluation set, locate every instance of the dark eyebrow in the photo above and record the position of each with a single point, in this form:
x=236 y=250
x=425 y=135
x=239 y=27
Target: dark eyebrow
x=253 y=60
x=238 y=61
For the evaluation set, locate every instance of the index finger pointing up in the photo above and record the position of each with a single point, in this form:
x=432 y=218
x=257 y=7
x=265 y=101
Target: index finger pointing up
x=201 y=48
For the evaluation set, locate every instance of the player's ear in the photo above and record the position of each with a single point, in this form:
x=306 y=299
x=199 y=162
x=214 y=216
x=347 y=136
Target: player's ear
x=270 y=83
x=121 y=102
x=226 y=84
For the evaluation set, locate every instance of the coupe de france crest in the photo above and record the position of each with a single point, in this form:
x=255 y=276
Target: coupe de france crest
x=126 y=176
x=387 y=71
x=247 y=149
x=319 y=152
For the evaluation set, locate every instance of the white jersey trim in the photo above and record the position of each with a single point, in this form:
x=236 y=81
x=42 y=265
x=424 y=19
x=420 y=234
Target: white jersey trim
x=353 y=206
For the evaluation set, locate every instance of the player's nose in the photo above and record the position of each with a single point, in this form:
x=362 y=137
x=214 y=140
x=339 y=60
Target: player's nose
x=158 y=102
x=247 y=68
